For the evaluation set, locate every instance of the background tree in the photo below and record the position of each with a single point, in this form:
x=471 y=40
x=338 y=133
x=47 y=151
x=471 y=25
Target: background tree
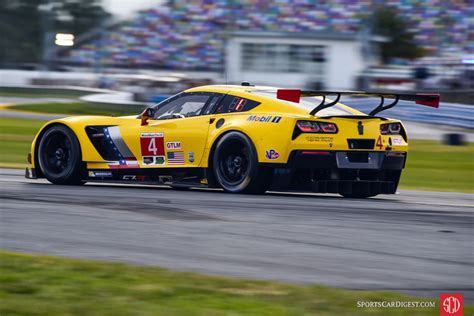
x=25 y=24
x=386 y=22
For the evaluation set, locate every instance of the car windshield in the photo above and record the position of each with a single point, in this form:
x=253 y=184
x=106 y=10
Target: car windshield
x=308 y=104
x=182 y=105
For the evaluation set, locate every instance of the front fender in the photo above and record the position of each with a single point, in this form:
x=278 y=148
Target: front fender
x=77 y=124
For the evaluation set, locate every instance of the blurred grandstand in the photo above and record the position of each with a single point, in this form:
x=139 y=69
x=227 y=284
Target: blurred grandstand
x=312 y=43
x=190 y=35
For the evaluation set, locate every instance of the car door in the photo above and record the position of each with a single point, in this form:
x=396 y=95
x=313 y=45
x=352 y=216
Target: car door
x=177 y=135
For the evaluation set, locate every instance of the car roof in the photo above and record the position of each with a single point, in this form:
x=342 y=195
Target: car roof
x=226 y=88
x=251 y=92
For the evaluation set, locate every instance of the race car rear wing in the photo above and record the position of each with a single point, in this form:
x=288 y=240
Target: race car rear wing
x=294 y=95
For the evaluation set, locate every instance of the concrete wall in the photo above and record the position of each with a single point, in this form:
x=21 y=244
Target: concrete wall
x=87 y=77
x=26 y=77
x=343 y=63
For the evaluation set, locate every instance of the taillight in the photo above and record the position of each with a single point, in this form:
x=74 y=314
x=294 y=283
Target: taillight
x=390 y=129
x=314 y=127
x=308 y=127
x=328 y=128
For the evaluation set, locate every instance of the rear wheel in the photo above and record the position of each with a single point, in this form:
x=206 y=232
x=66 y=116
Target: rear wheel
x=236 y=166
x=59 y=156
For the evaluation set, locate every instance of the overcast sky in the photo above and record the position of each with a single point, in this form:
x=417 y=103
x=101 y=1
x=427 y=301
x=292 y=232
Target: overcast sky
x=124 y=8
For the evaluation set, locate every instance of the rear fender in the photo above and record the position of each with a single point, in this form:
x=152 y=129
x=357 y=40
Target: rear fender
x=270 y=134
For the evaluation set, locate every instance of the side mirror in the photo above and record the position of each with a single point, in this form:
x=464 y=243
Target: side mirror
x=146 y=115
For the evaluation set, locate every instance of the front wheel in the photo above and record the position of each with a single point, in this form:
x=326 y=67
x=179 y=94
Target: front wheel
x=236 y=166
x=59 y=156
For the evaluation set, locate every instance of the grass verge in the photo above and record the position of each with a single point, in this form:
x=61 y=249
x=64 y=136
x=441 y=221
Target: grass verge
x=16 y=136
x=41 y=285
x=433 y=166
x=79 y=108
x=430 y=166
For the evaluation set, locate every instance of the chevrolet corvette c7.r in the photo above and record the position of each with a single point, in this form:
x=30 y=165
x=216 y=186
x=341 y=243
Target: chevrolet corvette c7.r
x=243 y=139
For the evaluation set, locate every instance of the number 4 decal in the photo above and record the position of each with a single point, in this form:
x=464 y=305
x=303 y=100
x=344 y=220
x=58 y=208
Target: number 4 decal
x=152 y=146
x=379 y=143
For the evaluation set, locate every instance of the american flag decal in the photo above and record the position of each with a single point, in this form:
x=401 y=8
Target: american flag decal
x=125 y=158
x=176 y=158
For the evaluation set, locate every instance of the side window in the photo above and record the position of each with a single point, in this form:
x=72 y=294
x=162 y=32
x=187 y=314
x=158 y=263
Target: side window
x=184 y=105
x=213 y=102
x=232 y=103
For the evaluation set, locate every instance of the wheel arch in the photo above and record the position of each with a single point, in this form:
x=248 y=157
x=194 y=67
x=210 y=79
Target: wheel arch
x=219 y=137
x=210 y=171
x=37 y=141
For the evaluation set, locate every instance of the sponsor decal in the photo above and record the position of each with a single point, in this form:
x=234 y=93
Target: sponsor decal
x=264 y=119
x=153 y=148
x=154 y=160
x=145 y=135
x=100 y=174
x=191 y=156
x=272 y=154
x=175 y=158
x=451 y=304
x=160 y=160
x=397 y=141
x=323 y=139
x=148 y=160
x=173 y=145
x=152 y=144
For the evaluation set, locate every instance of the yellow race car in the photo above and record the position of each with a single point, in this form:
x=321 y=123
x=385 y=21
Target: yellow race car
x=243 y=139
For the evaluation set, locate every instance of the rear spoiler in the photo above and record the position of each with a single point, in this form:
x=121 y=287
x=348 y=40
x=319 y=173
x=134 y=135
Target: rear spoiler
x=294 y=95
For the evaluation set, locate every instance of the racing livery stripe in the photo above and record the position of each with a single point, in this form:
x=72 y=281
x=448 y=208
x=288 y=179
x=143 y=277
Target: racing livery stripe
x=126 y=157
x=116 y=137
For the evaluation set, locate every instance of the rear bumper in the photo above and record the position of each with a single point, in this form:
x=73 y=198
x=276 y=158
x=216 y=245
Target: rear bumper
x=368 y=160
x=343 y=172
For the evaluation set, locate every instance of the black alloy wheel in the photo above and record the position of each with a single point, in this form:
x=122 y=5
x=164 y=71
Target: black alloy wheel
x=59 y=156
x=236 y=166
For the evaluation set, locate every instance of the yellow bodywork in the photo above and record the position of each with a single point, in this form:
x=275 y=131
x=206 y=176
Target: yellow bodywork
x=197 y=134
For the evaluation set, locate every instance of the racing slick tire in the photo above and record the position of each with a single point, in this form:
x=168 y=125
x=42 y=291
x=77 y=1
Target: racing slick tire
x=59 y=156
x=236 y=168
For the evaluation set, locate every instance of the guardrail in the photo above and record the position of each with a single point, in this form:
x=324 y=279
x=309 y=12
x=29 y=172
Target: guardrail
x=452 y=114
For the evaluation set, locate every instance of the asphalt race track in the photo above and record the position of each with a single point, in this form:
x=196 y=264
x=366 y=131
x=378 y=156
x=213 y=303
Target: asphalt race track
x=415 y=242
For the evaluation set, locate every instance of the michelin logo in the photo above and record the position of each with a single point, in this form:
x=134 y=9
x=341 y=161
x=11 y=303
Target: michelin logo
x=264 y=119
x=100 y=174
